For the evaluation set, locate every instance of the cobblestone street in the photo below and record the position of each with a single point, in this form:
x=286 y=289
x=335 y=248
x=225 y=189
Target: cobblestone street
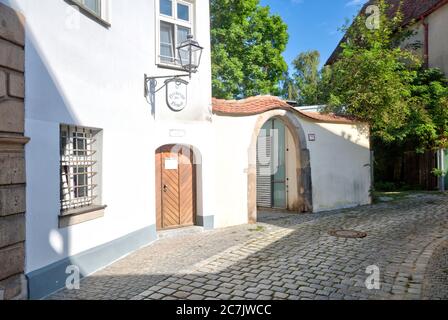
x=292 y=257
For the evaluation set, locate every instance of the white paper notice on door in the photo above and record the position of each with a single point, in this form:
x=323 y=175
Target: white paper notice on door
x=171 y=164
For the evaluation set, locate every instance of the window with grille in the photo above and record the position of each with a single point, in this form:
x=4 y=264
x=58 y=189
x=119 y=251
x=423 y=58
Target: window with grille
x=79 y=167
x=176 y=23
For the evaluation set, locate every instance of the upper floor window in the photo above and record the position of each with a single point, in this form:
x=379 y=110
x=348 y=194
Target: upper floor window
x=95 y=9
x=175 y=24
x=92 y=5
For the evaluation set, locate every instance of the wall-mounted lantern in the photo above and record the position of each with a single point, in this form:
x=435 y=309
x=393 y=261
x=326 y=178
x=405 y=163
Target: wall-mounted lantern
x=190 y=54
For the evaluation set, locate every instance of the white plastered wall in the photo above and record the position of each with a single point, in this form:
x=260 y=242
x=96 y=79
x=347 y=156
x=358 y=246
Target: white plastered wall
x=80 y=72
x=340 y=164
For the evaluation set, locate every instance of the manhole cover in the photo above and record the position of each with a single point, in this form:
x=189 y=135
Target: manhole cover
x=350 y=234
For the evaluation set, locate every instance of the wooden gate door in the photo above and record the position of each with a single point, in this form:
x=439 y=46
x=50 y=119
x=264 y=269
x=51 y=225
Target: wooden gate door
x=175 y=187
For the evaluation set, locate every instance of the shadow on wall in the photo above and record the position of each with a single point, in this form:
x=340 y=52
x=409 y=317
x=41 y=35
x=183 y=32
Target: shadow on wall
x=46 y=101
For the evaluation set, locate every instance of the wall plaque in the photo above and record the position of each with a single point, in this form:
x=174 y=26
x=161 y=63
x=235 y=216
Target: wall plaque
x=176 y=94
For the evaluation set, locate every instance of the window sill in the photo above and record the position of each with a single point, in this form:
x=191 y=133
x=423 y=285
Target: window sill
x=90 y=14
x=77 y=216
x=170 y=66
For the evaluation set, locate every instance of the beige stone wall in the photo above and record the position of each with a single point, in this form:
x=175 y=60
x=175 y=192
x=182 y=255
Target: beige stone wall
x=438 y=39
x=12 y=159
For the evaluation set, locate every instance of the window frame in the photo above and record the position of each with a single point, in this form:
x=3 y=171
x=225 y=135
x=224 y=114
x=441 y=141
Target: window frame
x=176 y=23
x=86 y=7
x=102 y=17
x=71 y=160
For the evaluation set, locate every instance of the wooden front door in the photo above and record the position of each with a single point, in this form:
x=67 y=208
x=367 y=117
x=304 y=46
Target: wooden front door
x=175 y=187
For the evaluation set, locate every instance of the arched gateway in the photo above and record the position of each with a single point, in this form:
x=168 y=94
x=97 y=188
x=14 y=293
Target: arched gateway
x=279 y=174
x=280 y=140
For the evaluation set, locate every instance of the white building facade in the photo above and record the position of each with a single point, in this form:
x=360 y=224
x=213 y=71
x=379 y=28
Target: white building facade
x=113 y=158
x=91 y=174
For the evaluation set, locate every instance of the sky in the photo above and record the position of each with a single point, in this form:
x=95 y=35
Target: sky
x=313 y=24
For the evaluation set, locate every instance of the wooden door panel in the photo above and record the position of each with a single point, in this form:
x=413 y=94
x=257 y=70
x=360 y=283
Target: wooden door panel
x=170 y=193
x=186 y=182
x=175 y=189
x=159 y=190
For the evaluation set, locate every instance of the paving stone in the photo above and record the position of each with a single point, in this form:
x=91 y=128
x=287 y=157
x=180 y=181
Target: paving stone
x=224 y=290
x=196 y=297
x=209 y=287
x=181 y=294
x=211 y=294
x=156 y=296
x=166 y=291
x=267 y=292
x=198 y=291
x=280 y=295
x=251 y=296
x=291 y=259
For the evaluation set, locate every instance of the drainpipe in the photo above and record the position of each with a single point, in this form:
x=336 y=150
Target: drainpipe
x=426 y=44
x=441 y=161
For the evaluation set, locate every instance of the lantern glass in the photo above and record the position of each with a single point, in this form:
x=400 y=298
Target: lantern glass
x=190 y=54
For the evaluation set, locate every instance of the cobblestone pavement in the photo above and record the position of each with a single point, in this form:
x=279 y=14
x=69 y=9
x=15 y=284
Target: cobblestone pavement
x=436 y=278
x=287 y=257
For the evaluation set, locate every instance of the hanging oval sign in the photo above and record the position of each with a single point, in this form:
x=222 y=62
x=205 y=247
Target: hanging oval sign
x=176 y=94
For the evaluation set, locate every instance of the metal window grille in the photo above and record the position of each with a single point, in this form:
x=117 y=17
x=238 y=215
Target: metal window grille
x=77 y=167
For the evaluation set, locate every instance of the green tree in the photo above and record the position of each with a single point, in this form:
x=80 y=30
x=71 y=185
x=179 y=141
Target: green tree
x=372 y=78
x=307 y=77
x=311 y=85
x=290 y=91
x=247 y=46
x=427 y=126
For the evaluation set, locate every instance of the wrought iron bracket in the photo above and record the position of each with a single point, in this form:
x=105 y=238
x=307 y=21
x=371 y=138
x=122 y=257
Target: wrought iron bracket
x=151 y=83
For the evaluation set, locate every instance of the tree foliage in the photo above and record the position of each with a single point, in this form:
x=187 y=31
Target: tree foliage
x=306 y=77
x=307 y=85
x=372 y=77
x=380 y=82
x=427 y=125
x=247 y=46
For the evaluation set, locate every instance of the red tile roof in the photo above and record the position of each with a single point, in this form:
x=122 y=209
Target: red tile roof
x=415 y=9
x=260 y=104
x=411 y=9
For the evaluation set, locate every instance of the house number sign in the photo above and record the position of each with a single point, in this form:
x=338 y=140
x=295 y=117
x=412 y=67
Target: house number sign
x=176 y=94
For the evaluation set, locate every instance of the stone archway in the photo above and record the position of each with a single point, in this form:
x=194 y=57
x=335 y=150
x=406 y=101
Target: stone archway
x=304 y=187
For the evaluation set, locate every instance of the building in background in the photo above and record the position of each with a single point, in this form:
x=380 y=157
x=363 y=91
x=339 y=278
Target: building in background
x=428 y=21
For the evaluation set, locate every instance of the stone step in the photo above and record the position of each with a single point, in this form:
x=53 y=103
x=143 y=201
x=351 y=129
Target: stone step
x=173 y=233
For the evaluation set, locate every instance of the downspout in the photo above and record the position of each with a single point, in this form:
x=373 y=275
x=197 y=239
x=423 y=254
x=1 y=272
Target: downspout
x=442 y=167
x=426 y=44
x=441 y=152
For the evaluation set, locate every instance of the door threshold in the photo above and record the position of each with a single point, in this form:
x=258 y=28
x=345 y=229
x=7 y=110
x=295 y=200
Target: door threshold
x=179 y=232
x=278 y=210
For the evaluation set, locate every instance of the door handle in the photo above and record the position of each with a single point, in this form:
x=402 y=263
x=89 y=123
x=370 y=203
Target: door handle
x=165 y=188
